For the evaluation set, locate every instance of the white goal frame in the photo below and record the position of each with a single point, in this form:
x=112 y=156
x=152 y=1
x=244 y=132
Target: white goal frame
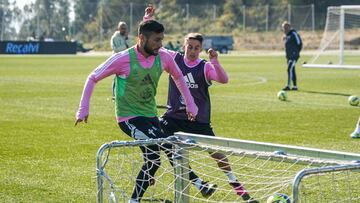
x=280 y=149
x=340 y=161
x=341 y=34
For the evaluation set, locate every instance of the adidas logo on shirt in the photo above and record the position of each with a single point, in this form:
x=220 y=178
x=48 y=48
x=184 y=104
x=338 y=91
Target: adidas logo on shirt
x=189 y=79
x=146 y=80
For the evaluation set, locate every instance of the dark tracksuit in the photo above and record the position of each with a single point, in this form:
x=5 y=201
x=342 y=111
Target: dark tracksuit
x=293 y=46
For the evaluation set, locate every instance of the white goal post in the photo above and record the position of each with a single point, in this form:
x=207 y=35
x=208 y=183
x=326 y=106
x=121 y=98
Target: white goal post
x=340 y=44
x=304 y=174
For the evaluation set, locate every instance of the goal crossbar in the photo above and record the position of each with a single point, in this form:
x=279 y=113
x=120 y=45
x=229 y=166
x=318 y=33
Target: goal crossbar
x=333 y=66
x=270 y=147
x=350 y=7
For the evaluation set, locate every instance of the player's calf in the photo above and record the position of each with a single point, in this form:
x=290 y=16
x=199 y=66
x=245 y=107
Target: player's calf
x=241 y=191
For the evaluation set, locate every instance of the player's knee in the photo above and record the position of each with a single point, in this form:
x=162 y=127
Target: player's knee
x=167 y=148
x=219 y=157
x=155 y=161
x=150 y=169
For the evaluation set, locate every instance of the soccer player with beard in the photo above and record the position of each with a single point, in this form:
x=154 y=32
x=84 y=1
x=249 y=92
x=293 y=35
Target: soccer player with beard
x=137 y=71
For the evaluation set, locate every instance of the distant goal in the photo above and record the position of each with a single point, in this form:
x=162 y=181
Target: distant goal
x=304 y=174
x=340 y=44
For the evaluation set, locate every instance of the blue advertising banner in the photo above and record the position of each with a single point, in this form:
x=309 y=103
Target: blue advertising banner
x=37 y=47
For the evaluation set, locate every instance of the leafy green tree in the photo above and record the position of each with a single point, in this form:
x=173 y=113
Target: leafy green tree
x=28 y=27
x=8 y=14
x=232 y=16
x=171 y=16
x=48 y=19
x=61 y=24
x=85 y=13
x=178 y=16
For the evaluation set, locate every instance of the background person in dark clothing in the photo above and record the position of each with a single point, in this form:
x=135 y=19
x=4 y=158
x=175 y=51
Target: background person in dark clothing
x=293 y=45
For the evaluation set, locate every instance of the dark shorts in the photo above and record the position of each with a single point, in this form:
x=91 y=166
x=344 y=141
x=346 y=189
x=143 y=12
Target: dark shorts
x=142 y=128
x=171 y=125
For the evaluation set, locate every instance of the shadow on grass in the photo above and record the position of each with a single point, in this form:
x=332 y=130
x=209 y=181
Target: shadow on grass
x=326 y=93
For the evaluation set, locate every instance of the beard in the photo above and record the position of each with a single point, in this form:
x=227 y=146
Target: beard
x=148 y=50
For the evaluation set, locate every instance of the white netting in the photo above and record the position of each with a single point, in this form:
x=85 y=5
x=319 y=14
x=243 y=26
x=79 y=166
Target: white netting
x=341 y=41
x=261 y=173
x=331 y=187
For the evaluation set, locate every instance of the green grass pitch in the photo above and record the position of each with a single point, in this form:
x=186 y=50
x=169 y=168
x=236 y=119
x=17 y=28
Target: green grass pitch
x=44 y=158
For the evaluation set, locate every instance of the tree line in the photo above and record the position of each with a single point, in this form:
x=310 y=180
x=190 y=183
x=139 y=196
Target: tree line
x=92 y=18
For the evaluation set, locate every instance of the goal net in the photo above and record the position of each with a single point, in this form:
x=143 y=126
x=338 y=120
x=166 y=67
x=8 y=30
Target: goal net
x=304 y=174
x=339 y=47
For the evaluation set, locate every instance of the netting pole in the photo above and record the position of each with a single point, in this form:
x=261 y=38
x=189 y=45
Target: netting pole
x=131 y=17
x=313 y=17
x=2 y=24
x=341 y=33
x=101 y=22
x=267 y=18
x=38 y=21
x=289 y=13
x=244 y=17
x=181 y=164
x=214 y=12
x=99 y=173
x=187 y=6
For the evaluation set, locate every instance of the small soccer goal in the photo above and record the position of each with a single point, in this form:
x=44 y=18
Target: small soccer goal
x=303 y=174
x=339 y=46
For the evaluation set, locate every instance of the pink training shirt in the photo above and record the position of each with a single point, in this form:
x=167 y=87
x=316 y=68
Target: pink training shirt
x=119 y=64
x=213 y=69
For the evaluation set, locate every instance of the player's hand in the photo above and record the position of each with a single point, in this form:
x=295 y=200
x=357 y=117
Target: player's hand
x=212 y=53
x=191 y=111
x=150 y=10
x=191 y=117
x=79 y=120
